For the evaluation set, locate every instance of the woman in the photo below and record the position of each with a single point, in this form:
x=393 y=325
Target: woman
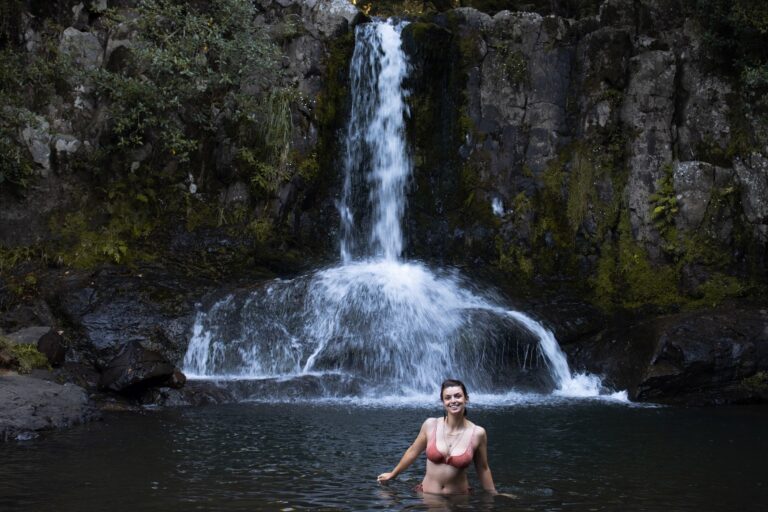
x=452 y=443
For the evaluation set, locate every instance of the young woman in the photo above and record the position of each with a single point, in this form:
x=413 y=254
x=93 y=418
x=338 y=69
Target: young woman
x=452 y=443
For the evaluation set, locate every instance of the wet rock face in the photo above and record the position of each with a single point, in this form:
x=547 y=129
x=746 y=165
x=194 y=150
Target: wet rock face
x=136 y=367
x=581 y=138
x=523 y=88
x=703 y=358
x=112 y=309
x=695 y=183
x=752 y=172
x=647 y=110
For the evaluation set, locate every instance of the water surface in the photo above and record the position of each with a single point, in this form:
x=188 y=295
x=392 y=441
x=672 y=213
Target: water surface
x=563 y=455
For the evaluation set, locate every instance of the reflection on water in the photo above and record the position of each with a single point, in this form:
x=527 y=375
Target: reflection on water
x=573 y=457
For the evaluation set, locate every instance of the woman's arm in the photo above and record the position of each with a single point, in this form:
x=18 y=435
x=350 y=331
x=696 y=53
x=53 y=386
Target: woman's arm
x=410 y=455
x=481 y=464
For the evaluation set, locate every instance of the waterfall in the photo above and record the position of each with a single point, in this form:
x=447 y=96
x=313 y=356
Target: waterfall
x=375 y=324
x=375 y=144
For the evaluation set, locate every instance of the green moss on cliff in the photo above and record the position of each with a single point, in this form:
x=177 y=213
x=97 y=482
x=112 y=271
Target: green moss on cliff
x=664 y=202
x=451 y=194
x=641 y=282
x=332 y=111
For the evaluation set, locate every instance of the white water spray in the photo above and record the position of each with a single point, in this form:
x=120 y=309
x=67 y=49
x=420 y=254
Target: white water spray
x=376 y=324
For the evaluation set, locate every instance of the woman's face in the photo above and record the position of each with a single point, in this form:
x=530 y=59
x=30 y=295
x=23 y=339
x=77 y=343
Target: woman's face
x=454 y=400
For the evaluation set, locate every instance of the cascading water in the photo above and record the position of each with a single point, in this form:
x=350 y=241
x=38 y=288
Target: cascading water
x=376 y=324
x=375 y=148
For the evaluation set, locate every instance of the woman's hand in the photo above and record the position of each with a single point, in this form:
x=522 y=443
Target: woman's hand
x=384 y=477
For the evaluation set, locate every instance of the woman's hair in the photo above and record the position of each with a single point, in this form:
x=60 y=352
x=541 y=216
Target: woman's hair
x=449 y=383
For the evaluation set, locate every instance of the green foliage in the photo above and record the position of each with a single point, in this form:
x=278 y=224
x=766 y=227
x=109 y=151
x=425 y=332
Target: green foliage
x=265 y=141
x=512 y=258
x=25 y=357
x=717 y=289
x=113 y=232
x=308 y=165
x=15 y=163
x=581 y=186
x=189 y=63
x=89 y=246
x=664 y=202
x=638 y=282
x=10 y=257
x=27 y=82
x=514 y=65
x=29 y=79
x=757 y=383
x=195 y=72
x=261 y=229
x=597 y=159
x=265 y=176
x=735 y=35
x=287 y=29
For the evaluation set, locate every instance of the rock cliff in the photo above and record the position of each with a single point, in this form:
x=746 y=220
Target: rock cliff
x=603 y=154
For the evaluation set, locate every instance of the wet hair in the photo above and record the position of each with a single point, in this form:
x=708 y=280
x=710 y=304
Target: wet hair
x=449 y=383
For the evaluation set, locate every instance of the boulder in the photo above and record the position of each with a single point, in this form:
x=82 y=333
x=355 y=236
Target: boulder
x=52 y=345
x=697 y=358
x=136 y=368
x=177 y=380
x=110 y=309
x=194 y=393
x=37 y=138
x=29 y=405
x=329 y=18
x=28 y=335
x=84 y=48
x=65 y=145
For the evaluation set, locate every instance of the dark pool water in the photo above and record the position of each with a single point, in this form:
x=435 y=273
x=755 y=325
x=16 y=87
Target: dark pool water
x=581 y=456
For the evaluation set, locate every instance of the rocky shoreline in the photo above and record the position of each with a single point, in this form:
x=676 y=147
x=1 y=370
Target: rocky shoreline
x=30 y=405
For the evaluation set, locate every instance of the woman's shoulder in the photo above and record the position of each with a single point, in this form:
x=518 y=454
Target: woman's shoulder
x=478 y=430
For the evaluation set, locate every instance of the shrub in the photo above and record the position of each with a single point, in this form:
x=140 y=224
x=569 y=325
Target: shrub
x=188 y=66
x=25 y=357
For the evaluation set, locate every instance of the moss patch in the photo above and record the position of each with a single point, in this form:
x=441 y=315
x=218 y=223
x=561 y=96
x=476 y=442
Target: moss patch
x=757 y=383
x=24 y=358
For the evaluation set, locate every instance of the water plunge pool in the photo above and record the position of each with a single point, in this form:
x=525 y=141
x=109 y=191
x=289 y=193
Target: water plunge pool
x=553 y=454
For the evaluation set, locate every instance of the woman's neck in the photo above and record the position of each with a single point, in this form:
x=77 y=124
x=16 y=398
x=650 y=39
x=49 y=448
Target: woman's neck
x=454 y=422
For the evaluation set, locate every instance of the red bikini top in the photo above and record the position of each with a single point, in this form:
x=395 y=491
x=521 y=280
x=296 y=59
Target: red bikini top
x=457 y=461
